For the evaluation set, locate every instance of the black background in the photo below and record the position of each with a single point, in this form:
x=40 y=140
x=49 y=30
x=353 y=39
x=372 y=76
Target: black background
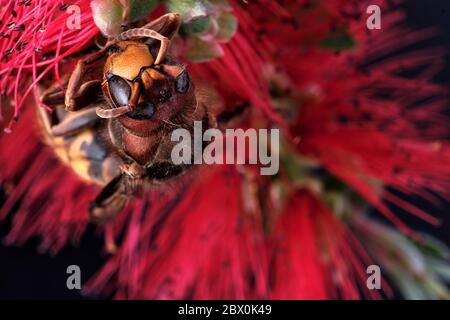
x=26 y=274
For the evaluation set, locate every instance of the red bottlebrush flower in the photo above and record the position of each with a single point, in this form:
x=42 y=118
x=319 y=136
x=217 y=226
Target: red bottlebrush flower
x=354 y=128
x=172 y=254
x=41 y=43
x=309 y=249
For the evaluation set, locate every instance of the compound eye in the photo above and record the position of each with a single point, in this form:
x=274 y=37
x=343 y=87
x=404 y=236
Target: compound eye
x=182 y=82
x=119 y=90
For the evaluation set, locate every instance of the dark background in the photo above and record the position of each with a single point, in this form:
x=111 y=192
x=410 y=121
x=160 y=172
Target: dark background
x=26 y=274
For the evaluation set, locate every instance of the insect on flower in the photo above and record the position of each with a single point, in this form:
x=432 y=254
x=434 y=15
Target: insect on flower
x=115 y=131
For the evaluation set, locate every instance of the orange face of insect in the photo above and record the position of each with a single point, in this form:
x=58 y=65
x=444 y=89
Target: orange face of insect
x=142 y=94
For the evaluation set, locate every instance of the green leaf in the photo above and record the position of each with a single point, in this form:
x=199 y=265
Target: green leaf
x=195 y=26
x=228 y=25
x=202 y=51
x=107 y=16
x=221 y=4
x=141 y=8
x=408 y=286
x=189 y=9
x=338 y=40
x=432 y=247
x=397 y=247
x=419 y=269
x=440 y=267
